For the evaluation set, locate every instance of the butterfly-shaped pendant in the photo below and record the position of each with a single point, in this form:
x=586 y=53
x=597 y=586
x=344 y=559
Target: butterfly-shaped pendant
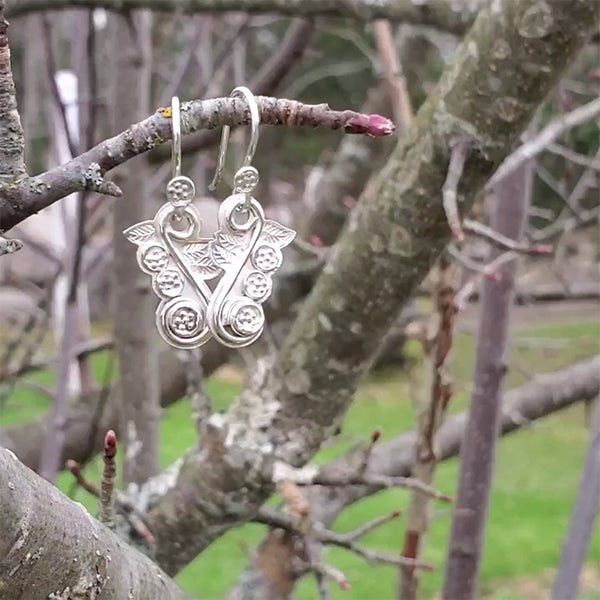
x=244 y=254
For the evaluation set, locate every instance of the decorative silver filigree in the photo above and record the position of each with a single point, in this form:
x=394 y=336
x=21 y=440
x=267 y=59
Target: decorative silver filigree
x=247 y=248
x=245 y=252
x=168 y=247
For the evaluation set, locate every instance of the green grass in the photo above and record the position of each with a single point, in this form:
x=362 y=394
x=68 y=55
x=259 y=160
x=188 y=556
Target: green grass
x=536 y=477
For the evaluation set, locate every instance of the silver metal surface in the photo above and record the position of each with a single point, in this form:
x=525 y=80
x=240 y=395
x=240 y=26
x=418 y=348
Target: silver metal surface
x=241 y=92
x=244 y=253
x=247 y=248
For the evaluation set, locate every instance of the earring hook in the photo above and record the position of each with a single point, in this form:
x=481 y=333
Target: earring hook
x=241 y=92
x=176 y=126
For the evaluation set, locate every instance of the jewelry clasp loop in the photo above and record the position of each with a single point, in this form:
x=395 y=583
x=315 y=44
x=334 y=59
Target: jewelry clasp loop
x=242 y=92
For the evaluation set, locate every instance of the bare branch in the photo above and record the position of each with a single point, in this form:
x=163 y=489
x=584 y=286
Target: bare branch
x=51 y=72
x=395 y=80
x=107 y=489
x=580 y=159
x=489 y=270
x=327 y=571
x=377 y=522
x=79 y=351
x=546 y=137
x=503 y=242
x=586 y=217
x=309 y=476
x=437 y=392
x=273 y=518
x=75 y=468
x=87 y=170
x=99 y=562
x=436 y=13
x=483 y=427
x=583 y=520
x=458 y=156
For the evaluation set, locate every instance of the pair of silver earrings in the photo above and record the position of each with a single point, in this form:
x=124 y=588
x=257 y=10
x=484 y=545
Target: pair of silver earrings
x=242 y=256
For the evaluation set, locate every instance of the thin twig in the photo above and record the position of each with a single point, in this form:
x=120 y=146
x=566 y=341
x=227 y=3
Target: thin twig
x=107 y=487
x=375 y=437
x=347 y=541
x=458 y=156
x=489 y=271
x=88 y=486
x=380 y=481
x=503 y=242
x=123 y=504
x=392 y=67
x=546 y=137
x=580 y=159
x=377 y=522
x=51 y=66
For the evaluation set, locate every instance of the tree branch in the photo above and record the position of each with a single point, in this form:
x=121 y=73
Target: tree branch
x=273 y=518
x=442 y=14
x=458 y=156
x=545 y=138
x=107 y=489
x=12 y=146
x=51 y=547
x=86 y=172
x=503 y=242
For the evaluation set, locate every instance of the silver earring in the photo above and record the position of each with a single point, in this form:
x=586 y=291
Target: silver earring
x=179 y=261
x=247 y=248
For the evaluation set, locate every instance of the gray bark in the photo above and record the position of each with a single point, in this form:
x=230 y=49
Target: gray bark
x=12 y=165
x=134 y=331
x=393 y=237
x=450 y=16
x=583 y=521
x=478 y=450
x=51 y=548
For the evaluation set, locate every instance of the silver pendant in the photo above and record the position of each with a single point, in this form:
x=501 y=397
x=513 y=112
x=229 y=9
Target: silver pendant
x=171 y=250
x=244 y=253
x=247 y=248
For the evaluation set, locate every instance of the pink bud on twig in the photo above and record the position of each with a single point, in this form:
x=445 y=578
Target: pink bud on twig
x=373 y=125
x=110 y=443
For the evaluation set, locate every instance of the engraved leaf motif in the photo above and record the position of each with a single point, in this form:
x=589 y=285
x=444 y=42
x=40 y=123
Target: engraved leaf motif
x=224 y=249
x=277 y=234
x=142 y=232
x=200 y=255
